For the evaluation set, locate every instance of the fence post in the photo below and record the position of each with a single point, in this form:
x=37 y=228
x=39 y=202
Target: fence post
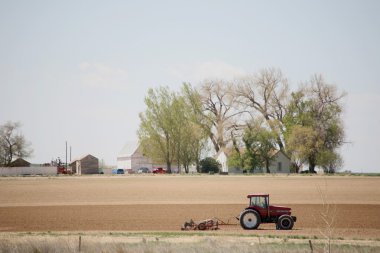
x=80 y=243
x=311 y=246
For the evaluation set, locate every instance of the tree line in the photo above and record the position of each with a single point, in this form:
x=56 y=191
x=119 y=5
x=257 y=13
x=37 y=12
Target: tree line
x=250 y=116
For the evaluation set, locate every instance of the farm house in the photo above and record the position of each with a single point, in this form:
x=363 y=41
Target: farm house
x=87 y=164
x=280 y=163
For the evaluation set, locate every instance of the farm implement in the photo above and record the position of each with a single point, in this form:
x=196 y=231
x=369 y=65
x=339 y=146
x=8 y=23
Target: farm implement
x=208 y=224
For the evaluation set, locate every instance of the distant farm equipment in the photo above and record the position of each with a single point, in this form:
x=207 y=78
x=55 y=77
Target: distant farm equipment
x=62 y=168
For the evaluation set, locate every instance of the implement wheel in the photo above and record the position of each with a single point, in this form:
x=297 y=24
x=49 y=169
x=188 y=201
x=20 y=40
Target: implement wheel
x=202 y=226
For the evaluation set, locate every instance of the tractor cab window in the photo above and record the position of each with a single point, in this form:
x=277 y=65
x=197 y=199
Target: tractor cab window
x=259 y=201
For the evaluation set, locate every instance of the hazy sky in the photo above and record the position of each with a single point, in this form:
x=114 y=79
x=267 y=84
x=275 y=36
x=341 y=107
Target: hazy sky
x=79 y=70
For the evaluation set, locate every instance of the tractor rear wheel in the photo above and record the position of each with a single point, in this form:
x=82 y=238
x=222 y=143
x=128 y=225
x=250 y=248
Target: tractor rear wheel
x=250 y=219
x=285 y=222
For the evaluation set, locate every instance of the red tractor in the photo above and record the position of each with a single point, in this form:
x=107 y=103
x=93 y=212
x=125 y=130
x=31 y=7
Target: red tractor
x=62 y=167
x=259 y=211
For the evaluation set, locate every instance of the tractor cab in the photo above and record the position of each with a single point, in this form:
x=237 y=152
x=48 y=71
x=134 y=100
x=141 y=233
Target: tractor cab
x=259 y=200
x=260 y=211
x=260 y=203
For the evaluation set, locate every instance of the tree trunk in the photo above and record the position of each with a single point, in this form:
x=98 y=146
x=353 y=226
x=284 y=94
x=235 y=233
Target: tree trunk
x=267 y=166
x=168 y=167
x=280 y=144
x=10 y=156
x=311 y=165
x=279 y=141
x=168 y=161
x=238 y=152
x=214 y=142
x=296 y=168
x=197 y=166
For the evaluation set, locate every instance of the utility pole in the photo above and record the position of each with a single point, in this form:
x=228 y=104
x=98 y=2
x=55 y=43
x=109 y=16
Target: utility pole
x=66 y=156
x=70 y=153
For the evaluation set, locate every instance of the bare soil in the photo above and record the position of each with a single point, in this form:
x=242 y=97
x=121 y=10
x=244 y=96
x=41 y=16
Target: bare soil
x=163 y=203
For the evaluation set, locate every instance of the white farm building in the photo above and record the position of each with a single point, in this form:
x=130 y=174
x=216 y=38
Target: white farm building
x=131 y=158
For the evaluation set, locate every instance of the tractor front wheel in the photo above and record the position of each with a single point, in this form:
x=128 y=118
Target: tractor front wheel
x=285 y=222
x=250 y=219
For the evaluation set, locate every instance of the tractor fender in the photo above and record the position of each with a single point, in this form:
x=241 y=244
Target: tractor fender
x=254 y=209
x=249 y=208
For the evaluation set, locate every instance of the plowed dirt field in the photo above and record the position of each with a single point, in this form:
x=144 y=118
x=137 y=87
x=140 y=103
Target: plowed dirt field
x=163 y=203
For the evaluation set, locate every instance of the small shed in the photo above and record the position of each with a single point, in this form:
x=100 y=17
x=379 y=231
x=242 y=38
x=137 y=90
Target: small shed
x=87 y=164
x=19 y=162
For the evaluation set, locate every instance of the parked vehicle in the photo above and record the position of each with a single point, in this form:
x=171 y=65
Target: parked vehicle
x=143 y=170
x=159 y=171
x=118 y=171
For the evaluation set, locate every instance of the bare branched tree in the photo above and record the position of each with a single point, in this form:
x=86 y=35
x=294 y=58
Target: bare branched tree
x=12 y=143
x=266 y=94
x=220 y=109
x=323 y=93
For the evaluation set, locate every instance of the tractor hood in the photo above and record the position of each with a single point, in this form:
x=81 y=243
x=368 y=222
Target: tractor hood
x=279 y=210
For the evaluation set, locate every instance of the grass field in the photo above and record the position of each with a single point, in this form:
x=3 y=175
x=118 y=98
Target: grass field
x=50 y=207
x=173 y=242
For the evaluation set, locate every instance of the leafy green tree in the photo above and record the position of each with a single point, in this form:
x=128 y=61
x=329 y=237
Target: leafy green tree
x=168 y=129
x=209 y=164
x=260 y=144
x=314 y=128
x=304 y=144
x=200 y=122
x=12 y=143
x=189 y=137
x=155 y=132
